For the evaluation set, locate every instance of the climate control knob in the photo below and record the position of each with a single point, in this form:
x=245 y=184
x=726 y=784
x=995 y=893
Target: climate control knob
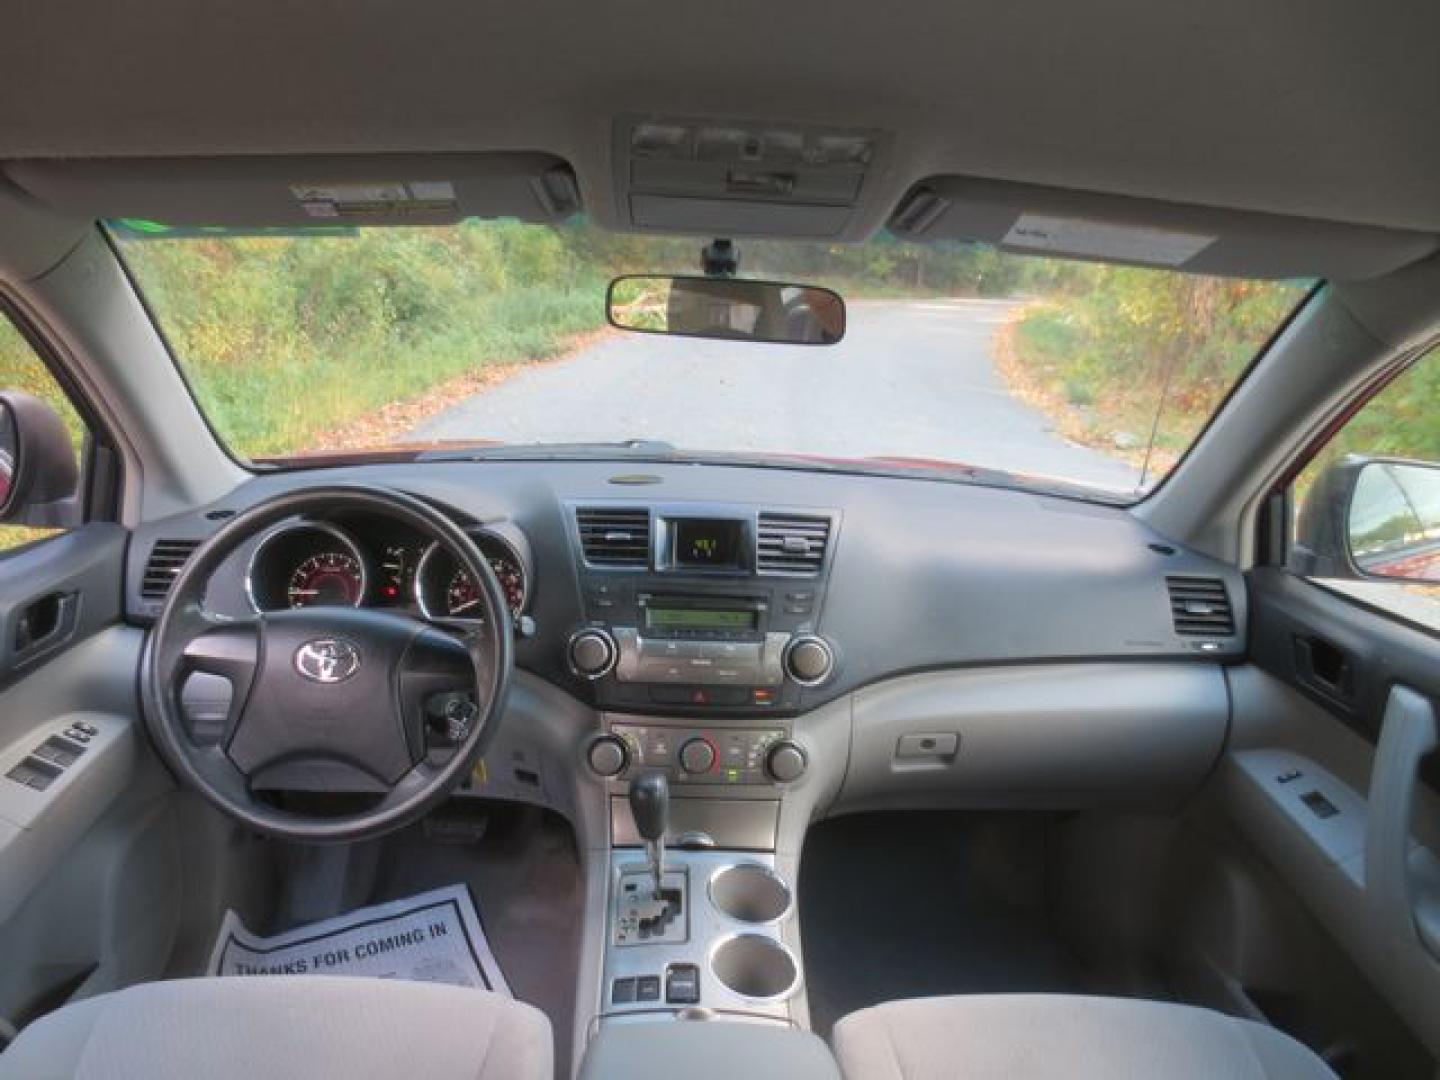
x=697 y=756
x=809 y=660
x=592 y=653
x=608 y=756
x=786 y=762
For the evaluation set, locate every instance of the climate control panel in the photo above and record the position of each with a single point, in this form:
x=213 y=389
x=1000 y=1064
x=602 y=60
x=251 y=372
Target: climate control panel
x=723 y=757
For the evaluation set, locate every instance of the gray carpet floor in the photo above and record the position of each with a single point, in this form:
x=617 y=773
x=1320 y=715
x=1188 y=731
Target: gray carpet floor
x=912 y=905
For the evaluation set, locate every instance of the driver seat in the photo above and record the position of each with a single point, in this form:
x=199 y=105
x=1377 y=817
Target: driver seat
x=286 y=1026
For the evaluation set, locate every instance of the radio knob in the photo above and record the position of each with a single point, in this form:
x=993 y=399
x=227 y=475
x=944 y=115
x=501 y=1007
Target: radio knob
x=592 y=653
x=786 y=762
x=697 y=756
x=809 y=660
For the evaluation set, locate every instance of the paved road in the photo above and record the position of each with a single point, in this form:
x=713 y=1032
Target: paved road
x=911 y=379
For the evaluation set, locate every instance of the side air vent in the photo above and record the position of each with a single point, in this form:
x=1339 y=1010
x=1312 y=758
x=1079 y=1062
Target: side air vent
x=614 y=537
x=791 y=544
x=1200 y=607
x=166 y=559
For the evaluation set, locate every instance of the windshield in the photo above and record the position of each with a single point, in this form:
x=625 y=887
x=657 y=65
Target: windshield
x=1033 y=369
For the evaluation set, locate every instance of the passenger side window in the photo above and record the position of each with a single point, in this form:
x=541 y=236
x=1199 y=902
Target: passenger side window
x=22 y=369
x=1366 y=509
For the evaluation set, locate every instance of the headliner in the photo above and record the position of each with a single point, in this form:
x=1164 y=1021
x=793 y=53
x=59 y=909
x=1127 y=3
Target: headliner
x=1322 y=109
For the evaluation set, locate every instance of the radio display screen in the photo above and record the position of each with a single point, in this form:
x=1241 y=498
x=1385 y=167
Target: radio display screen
x=699 y=619
x=707 y=543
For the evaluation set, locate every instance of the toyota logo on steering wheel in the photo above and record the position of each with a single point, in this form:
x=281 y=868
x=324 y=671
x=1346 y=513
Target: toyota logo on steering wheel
x=327 y=660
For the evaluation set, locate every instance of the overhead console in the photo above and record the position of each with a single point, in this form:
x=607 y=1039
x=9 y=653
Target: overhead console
x=1031 y=220
x=732 y=178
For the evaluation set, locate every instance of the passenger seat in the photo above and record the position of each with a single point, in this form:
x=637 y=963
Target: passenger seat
x=1063 y=1037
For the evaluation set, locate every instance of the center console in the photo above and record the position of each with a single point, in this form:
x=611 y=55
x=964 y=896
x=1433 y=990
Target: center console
x=699 y=638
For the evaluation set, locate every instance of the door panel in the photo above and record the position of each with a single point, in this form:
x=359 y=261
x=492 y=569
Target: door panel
x=88 y=847
x=1331 y=779
x=54 y=594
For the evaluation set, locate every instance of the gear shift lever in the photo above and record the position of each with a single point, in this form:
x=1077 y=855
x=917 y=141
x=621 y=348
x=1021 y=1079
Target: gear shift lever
x=650 y=806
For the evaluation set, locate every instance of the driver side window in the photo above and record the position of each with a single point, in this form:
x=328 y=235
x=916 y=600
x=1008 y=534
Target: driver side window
x=1366 y=509
x=22 y=369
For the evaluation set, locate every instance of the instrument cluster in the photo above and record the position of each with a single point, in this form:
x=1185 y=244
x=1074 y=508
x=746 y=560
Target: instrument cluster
x=369 y=563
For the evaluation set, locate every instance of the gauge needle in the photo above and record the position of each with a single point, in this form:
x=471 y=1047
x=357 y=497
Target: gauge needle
x=304 y=592
x=463 y=607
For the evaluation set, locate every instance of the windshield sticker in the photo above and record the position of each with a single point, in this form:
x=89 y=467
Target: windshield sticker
x=1103 y=240
x=380 y=199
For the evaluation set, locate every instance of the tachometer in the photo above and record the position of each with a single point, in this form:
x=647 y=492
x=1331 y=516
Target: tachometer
x=307 y=564
x=331 y=578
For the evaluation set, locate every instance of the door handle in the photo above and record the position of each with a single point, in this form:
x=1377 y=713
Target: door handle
x=1324 y=666
x=44 y=622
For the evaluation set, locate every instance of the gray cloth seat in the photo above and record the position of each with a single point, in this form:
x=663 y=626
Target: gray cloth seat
x=309 y=1026
x=1063 y=1037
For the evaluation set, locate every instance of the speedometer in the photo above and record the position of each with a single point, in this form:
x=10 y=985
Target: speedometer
x=445 y=589
x=331 y=578
x=462 y=598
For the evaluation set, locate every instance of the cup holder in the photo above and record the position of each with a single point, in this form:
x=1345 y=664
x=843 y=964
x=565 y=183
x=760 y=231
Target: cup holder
x=755 y=967
x=749 y=892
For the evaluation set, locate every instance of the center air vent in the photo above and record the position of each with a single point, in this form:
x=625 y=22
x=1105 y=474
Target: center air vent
x=1200 y=607
x=167 y=558
x=791 y=543
x=614 y=537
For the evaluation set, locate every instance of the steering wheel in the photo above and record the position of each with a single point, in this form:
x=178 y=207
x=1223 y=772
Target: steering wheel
x=329 y=699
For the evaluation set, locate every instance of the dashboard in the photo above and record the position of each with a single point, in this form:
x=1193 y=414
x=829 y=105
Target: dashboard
x=735 y=591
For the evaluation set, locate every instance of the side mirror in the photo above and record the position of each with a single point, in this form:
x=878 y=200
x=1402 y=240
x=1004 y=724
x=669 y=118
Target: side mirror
x=1373 y=518
x=731 y=309
x=39 y=477
x=1393 y=524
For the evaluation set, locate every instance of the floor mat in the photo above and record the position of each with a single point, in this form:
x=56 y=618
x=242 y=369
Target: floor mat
x=526 y=877
x=910 y=905
x=434 y=936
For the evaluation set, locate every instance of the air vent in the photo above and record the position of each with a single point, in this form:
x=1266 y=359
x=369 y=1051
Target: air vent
x=1200 y=607
x=166 y=559
x=614 y=537
x=791 y=544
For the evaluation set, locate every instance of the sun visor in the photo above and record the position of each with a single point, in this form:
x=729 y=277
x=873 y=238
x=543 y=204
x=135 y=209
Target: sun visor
x=1032 y=220
x=305 y=191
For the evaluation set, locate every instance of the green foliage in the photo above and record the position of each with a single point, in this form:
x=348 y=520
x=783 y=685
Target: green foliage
x=1122 y=342
x=1403 y=420
x=285 y=338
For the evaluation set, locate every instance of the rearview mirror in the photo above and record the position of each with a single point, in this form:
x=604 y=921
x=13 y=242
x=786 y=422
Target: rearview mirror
x=732 y=309
x=38 y=472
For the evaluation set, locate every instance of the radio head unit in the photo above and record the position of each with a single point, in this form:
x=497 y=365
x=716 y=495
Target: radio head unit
x=702 y=606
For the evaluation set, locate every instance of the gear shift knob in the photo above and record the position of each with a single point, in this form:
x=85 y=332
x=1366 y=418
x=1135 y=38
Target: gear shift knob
x=650 y=804
x=650 y=807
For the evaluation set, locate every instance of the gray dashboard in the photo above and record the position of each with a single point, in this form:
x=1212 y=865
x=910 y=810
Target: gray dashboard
x=921 y=574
